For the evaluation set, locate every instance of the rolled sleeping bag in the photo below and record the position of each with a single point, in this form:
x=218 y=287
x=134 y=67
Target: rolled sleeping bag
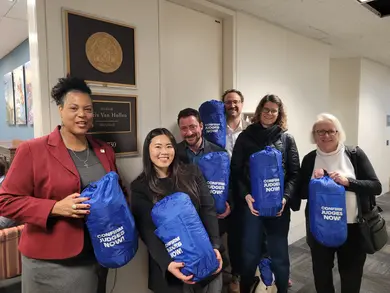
x=267 y=181
x=110 y=224
x=186 y=240
x=215 y=168
x=212 y=114
x=328 y=212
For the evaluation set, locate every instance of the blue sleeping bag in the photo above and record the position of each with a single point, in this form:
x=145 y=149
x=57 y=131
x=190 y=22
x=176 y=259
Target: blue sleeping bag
x=186 y=240
x=215 y=168
x=212 y=114
x=267 y=181
x=110 y=224
x=327 y=212
x=265 y=269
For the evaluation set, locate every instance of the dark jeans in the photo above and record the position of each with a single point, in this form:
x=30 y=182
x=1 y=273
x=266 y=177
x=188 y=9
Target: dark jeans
x=350 y=257
x=276 y=230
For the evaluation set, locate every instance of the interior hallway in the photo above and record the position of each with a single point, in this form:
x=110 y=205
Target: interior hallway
x=376 y=277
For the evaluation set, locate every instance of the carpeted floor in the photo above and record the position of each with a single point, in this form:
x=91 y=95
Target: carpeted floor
x=376 y=277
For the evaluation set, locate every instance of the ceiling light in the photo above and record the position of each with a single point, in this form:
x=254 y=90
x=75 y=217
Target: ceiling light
x=379 y=7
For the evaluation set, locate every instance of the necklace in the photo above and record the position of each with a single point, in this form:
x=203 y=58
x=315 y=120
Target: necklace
x=85 y=162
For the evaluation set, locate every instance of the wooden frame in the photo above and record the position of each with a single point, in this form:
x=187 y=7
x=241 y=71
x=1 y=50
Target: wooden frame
x=248 y=116
x=125 y=75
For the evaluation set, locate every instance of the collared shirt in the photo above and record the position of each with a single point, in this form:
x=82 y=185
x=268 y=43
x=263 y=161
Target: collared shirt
x=2 y=179
x=194 y=157
x=232 y=135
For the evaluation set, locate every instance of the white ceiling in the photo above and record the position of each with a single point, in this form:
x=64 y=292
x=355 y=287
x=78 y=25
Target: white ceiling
x=13 y=25
x=351 y=29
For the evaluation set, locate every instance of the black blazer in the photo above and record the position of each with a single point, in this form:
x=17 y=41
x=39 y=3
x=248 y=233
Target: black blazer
x=160 y=280
x=240 y=175
x=366 y=185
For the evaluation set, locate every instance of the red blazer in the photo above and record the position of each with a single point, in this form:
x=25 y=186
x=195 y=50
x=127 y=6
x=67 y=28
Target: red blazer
x=41 y=174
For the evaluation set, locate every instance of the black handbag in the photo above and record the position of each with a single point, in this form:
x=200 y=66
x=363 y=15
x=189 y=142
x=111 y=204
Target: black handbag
x=371 y=224
x=372 y=228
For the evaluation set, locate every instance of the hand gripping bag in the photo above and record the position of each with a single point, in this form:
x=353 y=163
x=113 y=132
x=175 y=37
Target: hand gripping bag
x=327 y=212
x=215 y=168
x=212 y=114
x=186 y=240
x=267 y=181
x=110 y=224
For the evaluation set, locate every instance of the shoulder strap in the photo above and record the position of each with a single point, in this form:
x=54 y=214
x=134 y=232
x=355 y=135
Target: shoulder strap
x=351 y=151
x=354 y=160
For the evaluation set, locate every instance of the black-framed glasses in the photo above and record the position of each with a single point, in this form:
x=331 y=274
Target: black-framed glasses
x=322 y=132
x=272 y=111
x=234 y=102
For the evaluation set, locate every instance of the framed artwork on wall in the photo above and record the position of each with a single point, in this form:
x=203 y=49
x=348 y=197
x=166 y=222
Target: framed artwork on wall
x=100 y=51
x=248 y=116
x=29 y=98
x=115 y=122
x=9 y=98
x=20 y=99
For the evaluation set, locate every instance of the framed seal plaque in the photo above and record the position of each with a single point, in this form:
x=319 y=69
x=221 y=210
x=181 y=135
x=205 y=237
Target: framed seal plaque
x=115 y=122
x=100 y=51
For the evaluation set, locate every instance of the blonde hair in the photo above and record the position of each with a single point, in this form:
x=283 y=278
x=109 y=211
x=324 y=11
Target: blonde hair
x=336 y=122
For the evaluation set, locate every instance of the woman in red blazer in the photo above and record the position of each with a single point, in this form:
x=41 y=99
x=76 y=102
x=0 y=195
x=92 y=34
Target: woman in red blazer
x=42 y=189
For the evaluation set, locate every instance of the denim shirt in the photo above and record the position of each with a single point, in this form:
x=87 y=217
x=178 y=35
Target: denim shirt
x=194 y=157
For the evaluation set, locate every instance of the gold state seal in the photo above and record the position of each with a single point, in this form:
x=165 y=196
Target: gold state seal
x=104 y=52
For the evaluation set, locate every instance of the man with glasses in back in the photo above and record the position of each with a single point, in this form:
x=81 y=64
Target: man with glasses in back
x=234 y=100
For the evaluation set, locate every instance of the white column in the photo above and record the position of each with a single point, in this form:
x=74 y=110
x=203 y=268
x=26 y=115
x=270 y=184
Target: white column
x=38 y=55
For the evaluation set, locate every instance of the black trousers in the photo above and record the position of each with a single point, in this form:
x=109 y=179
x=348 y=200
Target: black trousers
x=351 y=259
x=234 y=239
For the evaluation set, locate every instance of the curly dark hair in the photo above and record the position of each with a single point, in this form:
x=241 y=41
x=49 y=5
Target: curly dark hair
x=66 y=85
x=282 y=116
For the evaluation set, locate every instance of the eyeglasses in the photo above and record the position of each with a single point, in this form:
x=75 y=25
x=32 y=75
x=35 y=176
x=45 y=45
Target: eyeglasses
x=267 y=110
x=235 y=102
x=322 y=132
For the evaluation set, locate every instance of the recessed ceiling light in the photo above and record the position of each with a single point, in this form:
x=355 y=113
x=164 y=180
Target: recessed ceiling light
x=379 y=7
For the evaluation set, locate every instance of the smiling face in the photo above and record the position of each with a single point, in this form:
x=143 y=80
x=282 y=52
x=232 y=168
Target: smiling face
x=77 y=113
x=161 y=152
x=190 y=130
x=269 y=114
x=326 y=136
x=233 y=105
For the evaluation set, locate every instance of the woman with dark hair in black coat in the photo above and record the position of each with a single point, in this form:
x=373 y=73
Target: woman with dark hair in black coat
x=268 y=129
x=163 y=175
